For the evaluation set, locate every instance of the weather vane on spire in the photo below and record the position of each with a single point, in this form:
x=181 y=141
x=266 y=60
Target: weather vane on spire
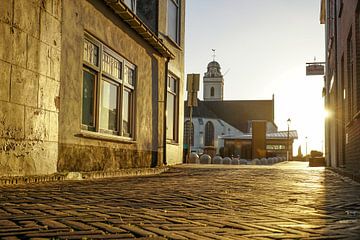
x=214 y=55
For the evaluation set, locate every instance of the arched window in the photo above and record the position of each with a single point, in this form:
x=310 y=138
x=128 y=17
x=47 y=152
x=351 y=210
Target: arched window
x=212 y=91
x=209 y=134
x=189 y=133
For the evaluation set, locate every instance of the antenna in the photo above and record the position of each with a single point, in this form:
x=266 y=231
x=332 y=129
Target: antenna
x=214 y=55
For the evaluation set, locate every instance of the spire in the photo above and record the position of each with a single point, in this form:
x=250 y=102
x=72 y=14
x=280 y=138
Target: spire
x=214 y=55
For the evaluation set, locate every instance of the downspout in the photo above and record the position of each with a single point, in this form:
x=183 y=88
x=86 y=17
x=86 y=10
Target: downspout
x=336 y=86
x=165 y=110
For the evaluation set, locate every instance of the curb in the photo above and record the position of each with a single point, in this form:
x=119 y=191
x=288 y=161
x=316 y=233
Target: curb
x=355 y=177
x=76 y=176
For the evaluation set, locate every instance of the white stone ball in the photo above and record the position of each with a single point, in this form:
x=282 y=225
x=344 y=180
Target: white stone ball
x=217 y=160
x=226 y=160
x=194 y=158
x=205 y=159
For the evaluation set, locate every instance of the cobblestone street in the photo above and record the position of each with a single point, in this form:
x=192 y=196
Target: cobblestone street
x=284 y=201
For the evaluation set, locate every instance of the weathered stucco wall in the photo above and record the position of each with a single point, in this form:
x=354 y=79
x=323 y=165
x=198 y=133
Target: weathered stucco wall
x=30 y=38
x=78 y=153
x=174 y=150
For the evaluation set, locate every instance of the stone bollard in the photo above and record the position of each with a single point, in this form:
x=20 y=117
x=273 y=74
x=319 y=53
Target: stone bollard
x=217 y=160
x=256 y=161
x=243 y=162
x=205 y=159
x=226 y=160
x=263 y=161
x=235 y=161
x=194 y=158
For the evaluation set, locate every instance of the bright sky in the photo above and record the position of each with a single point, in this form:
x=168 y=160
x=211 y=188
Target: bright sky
x=262 y=46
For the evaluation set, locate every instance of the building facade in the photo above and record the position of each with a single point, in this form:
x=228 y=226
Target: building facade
x=90 y=85
x=342 y=83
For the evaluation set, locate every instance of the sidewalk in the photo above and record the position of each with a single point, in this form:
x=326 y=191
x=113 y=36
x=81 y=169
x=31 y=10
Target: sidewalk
x=285 y=201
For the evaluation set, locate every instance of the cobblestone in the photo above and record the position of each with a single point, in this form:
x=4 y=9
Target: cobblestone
x=283 y=201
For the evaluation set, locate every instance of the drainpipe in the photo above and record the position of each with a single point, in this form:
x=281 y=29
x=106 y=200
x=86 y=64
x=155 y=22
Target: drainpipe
x=165 y=111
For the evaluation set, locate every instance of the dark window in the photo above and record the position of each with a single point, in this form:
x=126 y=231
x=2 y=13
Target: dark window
x=88 y=107
x=107 y=104
x=172 y=108
x=212 y=91
x=209 y=134
x=189 y=133
x=173 y=20
x=350 y=75
x=147 y=12
x=357 y=52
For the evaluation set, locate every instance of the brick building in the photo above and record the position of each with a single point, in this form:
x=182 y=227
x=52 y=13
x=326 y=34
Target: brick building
x=85 y=85
x=342 y=83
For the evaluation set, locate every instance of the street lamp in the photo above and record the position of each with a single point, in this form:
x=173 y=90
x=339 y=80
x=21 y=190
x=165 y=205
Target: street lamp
x=288 y=140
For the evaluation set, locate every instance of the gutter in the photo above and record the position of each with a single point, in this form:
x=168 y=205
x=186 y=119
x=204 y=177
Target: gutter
x=138 y=26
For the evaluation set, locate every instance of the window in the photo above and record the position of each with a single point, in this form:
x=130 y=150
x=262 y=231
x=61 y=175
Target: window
x=189 y=133
x=275 y=147
x=212 y=91
x=172 y=108
x=357 y=54
x=209 y=134
x=146 y=10
x=173 y=21
x=350 y=85
x=108 y=90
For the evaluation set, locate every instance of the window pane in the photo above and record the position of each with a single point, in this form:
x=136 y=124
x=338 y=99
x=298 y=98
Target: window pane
x=129 y=76
x=170 y=119
x=173 y=21
x=109 y=109
x=126 y=113
x=91 y=53
x=111 y=65
x=88 y=98
x=172 y=84
x=147 y=11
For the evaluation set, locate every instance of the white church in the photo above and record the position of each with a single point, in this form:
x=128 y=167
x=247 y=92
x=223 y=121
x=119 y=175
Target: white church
x=215 y=119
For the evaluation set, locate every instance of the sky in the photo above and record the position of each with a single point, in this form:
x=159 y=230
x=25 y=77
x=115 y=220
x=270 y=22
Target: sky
x=262 y=47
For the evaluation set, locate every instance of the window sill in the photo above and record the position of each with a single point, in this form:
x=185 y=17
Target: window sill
x=105 y=137
x=172 y=142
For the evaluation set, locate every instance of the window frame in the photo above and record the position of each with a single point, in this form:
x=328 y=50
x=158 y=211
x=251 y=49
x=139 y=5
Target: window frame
x=102 y=76
x=177 y=4
x=175 y=93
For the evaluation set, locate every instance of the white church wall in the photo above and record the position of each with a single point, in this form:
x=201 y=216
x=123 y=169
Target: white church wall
x=220 y=128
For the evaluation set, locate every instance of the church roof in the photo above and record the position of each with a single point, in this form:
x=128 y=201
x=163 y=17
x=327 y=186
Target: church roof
x=276 y=135
x=200 y=111
x=237 y=113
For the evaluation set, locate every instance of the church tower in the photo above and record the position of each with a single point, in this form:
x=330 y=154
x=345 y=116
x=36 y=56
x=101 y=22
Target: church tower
x=213 y=82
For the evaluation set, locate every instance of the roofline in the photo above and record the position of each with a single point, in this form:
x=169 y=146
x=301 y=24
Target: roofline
x=140 y=27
